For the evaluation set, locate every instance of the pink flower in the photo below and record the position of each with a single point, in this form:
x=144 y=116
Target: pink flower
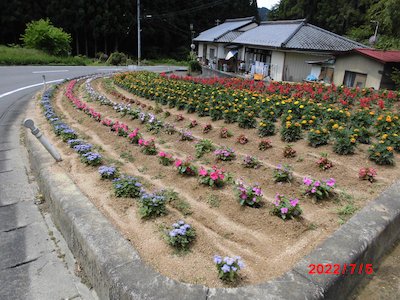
x=221 y=176
x=330 y=182
x=313 y=190
x=203 y=172
x=294 y=202
x=214 y=176
x=141 y=142
x=178 y=163
x=317 y=183
x=284 y=210
x=161 y=154
x=243 y=196
x=307 y=181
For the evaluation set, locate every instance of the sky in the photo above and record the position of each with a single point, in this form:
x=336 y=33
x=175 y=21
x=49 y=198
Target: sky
x=267 y=3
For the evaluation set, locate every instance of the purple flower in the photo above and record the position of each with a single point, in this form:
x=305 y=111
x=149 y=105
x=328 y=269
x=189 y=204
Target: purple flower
x=229 y=261
x=284 y=210
x=317 y=183
x=240 y=263
x=217 y=259
x=307 y=181
x=293 y=202
x=226 y=268
x=313 y=190
x=331 y=182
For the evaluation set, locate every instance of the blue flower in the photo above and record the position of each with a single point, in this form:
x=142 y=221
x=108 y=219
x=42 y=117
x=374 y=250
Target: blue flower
x=225 y=268
x=217 y=259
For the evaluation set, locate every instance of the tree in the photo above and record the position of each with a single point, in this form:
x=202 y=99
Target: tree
x=42 y=35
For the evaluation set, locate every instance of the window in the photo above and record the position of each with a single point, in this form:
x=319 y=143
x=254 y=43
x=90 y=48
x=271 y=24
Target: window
x=353 y=79
x=212 y=53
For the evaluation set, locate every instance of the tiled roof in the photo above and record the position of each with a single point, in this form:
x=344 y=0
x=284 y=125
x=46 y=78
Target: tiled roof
x=271 y=34
x=214 y=33
x=316 y=38
x=229 y=37
x=380 y=55
x=295 y=34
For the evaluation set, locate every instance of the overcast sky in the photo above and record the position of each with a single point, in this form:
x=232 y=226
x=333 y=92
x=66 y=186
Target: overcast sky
x=267 y=3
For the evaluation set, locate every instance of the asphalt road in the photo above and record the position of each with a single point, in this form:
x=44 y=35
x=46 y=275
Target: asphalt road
x=35 y=262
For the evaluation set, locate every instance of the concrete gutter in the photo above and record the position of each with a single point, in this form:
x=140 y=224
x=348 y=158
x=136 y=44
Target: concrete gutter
x=116 y=271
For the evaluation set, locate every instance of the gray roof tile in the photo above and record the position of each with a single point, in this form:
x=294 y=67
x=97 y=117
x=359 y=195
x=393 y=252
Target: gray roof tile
x=229 y=37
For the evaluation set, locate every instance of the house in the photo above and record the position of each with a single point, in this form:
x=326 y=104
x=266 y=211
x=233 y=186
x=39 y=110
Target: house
x=214 y=43
x=366 y=68
x=278 y=49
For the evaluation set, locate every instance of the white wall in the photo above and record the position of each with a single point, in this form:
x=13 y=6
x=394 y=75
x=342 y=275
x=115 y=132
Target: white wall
x=296 y=68
x=277 y=62
x=200 y=50
x=359 y=64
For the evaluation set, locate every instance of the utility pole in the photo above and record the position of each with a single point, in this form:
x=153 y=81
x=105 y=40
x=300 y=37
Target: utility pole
x=138 y=33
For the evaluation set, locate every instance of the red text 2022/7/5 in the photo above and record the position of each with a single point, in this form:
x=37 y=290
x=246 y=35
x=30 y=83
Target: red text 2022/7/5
x=338 y=269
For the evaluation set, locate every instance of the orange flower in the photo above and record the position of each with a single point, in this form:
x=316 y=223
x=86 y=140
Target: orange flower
x=388 y=119
x=390 y=149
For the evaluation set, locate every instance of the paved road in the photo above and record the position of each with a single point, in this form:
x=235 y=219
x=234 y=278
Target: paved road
x=34 y=260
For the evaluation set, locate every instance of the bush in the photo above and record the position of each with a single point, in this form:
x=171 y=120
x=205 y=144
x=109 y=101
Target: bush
x=286 y=208
x=181 y=235
x=228 y=267
x=117 y=59
x=42 y=35
x=194 y=66
x=151 y=205
x=203 y=146
x=127 y=186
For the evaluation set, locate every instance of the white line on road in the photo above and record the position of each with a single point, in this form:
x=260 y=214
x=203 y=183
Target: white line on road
x=119 y=69
x=28 y=87
x=52 y=71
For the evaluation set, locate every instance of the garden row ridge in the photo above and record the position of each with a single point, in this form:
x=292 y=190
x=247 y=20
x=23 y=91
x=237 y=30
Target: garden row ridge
x=116 y=271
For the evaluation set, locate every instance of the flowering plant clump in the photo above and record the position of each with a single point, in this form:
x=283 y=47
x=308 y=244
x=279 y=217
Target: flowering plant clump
x=214 y=177
x=203 y=146
x=248 y=195
x=225 y=133
x=107 y=122
x=318 y=137
x=181 y=235
x=193 y=123
x=121 y=129
x=381 y=153
x=148 y=147
x=59 y=127
x=151 y=205
x=266 y=128
x=247 y=119
x=74 y=142
x=251 y=162
x=68 y=134
x=91 y=158
x=286 y=208
x=207 y=128
x=228 y=267
x=345 y=143
x=225 y=154
x=289 y=152
x=367 y=173
x=319 y=189
x=185 y=135
x=135 y=136
x=127 y=186
x=264 y=145
x=185 y=167
x=82 y=148
x=282 y=173
x=169 y=128
x=165 y=158
x=108 y=172
x=179 y=118
x=323 y=162
x=242 y=139
x=291 y=132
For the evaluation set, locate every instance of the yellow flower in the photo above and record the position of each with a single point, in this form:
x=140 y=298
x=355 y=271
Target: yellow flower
x=380 y=118
x=296 y=102
x=335 y=126
x=289 y=111
x=310 y=121
x=296 y=124
x=317 y=132
x=301 y=106
x=304 y=122
x=353 y=140
x=377 y=154
x=390 y=149
x=388 y=119
x=381 y=142
x=384 y=136
x=372 y=113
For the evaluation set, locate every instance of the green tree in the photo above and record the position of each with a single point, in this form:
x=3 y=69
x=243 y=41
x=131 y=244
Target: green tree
x=42 y=35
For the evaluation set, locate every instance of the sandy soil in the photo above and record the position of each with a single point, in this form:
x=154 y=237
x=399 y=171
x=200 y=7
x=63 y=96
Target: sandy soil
x=268 y=245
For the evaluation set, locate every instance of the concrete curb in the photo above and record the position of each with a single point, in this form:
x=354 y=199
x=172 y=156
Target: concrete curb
x=116 y=272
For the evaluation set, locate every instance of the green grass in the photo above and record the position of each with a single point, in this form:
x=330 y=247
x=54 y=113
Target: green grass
x=165 y=61
x=23 y=56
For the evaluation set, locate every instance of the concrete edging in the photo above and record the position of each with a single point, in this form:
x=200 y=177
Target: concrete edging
x=116 y=271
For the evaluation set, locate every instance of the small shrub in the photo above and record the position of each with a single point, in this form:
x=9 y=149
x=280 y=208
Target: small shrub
x=242 y=139
x=82 y=148
x=251 y=162
x=291 y=132
x=323 y=162
x=165 y=158
x=117 y=59
x=225 y=154
x=225 y=133
x=264 y=145
x=318 y=137
x=282 y=173
x=345 y=143
x=179 y=118
x=203 y=146
x=185 y=167
x=127 y=186
x=381 y=153
x=248 y=195
x=148 y=147
x=228 y=267
x=367 y=173
x=108 y=172
x=207 y=128
x=266 y=128
x=68 y=134
x=193 y=124
x=319 y=189
x=286 y=208
x=169 y=128
x=247 y=120
x=214 y=177
x=152 y=205
x=135 y=136
x=289 y=152
x=181 y=235
x=91 y=158
x=185 y=135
